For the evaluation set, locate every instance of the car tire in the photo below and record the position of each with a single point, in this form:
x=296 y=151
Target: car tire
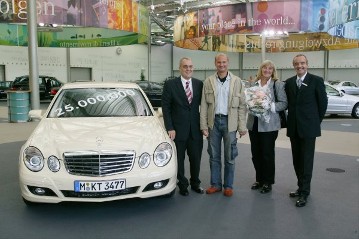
x=355 y=112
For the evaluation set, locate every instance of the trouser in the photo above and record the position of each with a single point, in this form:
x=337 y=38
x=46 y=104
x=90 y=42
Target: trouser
x=303 y=156
x=263 y=155
x=194 y=152
x=219 y=132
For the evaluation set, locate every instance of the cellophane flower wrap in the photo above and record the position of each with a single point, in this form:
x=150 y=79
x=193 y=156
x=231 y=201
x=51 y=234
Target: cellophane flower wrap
x=258 y=101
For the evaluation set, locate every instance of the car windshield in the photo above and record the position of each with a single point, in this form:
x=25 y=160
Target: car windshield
x=99 y=102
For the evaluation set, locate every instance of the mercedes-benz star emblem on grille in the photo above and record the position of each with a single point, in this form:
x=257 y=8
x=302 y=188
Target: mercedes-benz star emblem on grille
x=99 y=141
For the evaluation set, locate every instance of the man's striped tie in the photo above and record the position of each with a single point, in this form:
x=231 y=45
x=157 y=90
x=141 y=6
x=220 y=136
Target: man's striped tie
x=188 y=92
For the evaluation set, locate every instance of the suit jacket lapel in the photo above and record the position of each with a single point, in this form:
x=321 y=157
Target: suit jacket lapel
x=305 y=82
x=181 y=90
x=293 y=84
x=194 y=88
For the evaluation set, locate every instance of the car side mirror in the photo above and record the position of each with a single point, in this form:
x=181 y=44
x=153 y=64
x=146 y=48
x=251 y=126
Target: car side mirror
x=341 y=93
x=36 y=114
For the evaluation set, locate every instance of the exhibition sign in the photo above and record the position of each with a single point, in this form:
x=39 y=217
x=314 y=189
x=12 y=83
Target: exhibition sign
x=344 y=18
x=75 y=23
x=294 y=25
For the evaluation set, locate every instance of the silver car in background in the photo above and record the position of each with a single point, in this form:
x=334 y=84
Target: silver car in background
x=341 y=103
x=346 y=87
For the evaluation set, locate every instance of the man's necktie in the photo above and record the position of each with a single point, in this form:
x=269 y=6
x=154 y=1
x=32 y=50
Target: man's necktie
x=188 y=92
x=299 y=82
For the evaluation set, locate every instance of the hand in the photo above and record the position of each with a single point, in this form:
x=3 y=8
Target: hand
x=242 y=133
x=205 y=132
x=172 y=134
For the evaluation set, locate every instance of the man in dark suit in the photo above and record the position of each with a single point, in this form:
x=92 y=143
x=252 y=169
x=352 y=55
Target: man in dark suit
x=180 y=106
x=307 y=104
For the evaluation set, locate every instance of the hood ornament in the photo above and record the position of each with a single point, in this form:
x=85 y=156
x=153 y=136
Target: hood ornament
x=99 y=141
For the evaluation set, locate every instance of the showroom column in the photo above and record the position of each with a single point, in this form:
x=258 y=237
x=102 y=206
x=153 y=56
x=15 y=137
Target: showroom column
x=32 y=52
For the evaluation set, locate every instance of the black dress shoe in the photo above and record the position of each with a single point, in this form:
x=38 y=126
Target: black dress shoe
x=295 y=194
x=266 y=188
x=256 y=186
x=184 y=192
x=302 y=201
x=198 y=189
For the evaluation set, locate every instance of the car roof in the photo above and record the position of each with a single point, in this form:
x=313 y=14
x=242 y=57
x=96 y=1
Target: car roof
x=27 y=76
x=76 y=85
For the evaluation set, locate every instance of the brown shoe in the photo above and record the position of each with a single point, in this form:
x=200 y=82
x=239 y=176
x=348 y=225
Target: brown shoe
x=228 y=192
x=212 y=190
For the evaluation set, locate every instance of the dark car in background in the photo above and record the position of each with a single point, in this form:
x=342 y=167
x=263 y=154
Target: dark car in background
x=4 y=87
x=153 y=92
x=46 y=85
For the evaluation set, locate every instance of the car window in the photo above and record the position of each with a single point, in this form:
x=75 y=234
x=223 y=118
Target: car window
x=352 y=84
x=346 y=84
x=55 y=83
x=5 y=84
x=21 y=81
x=99 y=102
x=331 y=91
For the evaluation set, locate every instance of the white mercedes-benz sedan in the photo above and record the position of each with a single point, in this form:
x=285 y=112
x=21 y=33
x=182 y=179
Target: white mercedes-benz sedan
x=97 y=142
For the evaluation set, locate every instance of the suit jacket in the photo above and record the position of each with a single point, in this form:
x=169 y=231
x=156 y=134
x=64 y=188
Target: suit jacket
x=306 y=106
x=178 y=114
x=274 y=120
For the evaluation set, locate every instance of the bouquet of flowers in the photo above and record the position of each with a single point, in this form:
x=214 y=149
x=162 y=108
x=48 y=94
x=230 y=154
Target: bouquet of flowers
x=258 y=101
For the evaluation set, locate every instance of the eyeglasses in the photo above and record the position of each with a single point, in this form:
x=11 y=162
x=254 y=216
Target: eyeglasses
x=187 y=66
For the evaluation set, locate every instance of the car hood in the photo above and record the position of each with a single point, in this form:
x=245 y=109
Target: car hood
x=113 y=134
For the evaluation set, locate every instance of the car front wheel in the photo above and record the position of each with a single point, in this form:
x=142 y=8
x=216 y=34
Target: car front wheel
x=355 y=112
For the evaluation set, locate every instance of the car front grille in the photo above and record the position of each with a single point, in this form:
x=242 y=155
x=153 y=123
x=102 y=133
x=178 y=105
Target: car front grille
x=73 y=194
x=98 y=163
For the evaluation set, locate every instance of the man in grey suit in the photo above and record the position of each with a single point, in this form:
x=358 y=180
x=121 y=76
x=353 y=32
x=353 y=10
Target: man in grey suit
x=307 y=104
x=180 y=106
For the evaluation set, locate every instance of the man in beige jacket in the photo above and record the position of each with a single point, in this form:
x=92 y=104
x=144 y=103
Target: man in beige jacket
x=223 y=113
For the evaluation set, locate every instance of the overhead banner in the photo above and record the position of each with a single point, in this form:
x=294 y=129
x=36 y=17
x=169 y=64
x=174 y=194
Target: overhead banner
x=75 y=23
x=344 y=18
x=239 y=27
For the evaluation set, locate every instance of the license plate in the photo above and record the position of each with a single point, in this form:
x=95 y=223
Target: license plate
x=99 y=186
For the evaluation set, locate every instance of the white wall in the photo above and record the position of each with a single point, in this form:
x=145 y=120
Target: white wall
x=107 y=65
x=342 y=64
x=52 y=62
x=161 y=62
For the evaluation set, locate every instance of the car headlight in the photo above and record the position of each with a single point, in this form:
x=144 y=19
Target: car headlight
x=144 y=160
x=33 y=159
x=163 y=154
x=53 y=163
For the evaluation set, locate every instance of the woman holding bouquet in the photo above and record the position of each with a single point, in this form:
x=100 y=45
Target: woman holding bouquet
x=263 y=122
